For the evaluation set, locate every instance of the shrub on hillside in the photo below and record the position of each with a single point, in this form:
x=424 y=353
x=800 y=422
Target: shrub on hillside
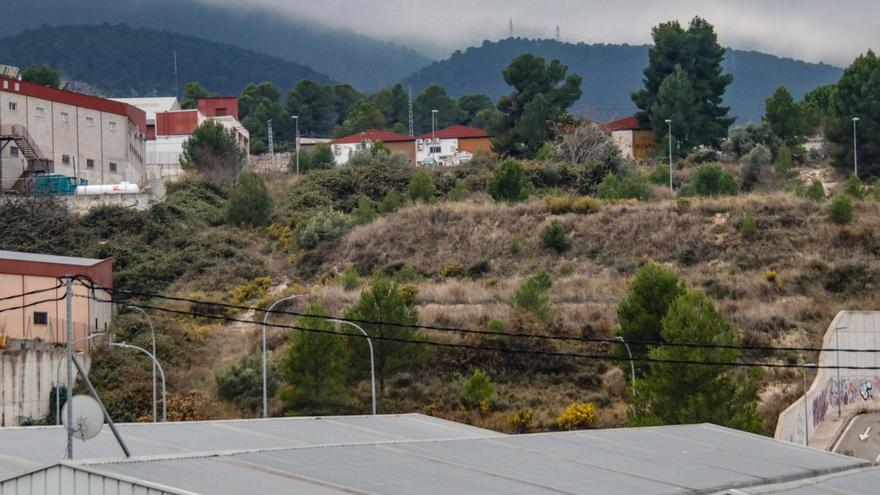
x=326 y=225
x=364 y=212
x=710 y=180
x=559 y=205
x=391 y=202
x=509 y=182
x=633 y=186
x=784 y=161
x=752 y=163
x=815 y=191
x=241 y=382
x=748 y=227
x=660 y=175
x=577 y=416
x=459 y=192
x=349 y=279
x=477 y=388
x=840 y=210
x=743 y=139
x=853 y=188
x=249 y=202
x=531 y=297
x=553 y=236
x=421 y=187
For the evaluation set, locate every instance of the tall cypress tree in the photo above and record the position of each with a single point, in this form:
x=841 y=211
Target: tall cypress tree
x=697 y=51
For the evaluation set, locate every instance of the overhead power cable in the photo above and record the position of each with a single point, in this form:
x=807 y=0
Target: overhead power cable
x=35 y=303
x=598 y=357
x=30 y=293
x=565 y=338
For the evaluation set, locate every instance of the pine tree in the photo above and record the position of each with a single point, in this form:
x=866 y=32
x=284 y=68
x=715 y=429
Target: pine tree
x=786 y=118
x=677 y=101
x=249 y=203
x=857 y=95
x=700 y=55
x=315 y=366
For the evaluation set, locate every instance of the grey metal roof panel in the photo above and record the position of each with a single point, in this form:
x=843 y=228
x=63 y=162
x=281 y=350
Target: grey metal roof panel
x=48 y=258
x=854 y=482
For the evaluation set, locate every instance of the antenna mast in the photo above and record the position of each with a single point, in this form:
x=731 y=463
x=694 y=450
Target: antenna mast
x=176 y=90
x=557 y=33
x=411 y=134
x=510 y=26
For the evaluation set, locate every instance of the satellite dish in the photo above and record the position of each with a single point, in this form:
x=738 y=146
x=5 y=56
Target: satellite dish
x=88 y=417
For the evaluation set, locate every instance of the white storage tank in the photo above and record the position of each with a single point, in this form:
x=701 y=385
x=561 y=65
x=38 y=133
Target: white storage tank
x=122 y=188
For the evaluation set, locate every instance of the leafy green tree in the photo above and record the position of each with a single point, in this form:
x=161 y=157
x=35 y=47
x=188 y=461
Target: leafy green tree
x=541 y=94
x=258 y=104
x=44 y=75
x=346 y=97
x=473 y=104
x=192 y=91
x=786 y=118
x=857 y=95
x=553 y=236
x=532 y=296
x=315 y=366
x=421 y=187
x=698 y=52
x=385 y=301
x=817 y=105
x=393 y=102
x=652 y=290
x=743 y=139
x=362 y=116
x=249 y=203
x=315 y=105
x=676 y=100
x=213 y=151
x=477 y=388
x=509 y=182
x=434 y=97
x=675 y=394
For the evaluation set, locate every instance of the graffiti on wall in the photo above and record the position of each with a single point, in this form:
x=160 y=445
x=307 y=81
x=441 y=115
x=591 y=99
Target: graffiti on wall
x=848 y=391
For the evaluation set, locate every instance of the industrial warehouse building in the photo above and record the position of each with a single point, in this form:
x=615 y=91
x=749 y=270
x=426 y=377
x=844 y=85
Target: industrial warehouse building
x=30 y=334
x=413 y=453
x=72 y=134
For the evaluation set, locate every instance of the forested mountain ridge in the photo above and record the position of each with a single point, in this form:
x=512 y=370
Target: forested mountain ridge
x=612 y=72
x=119 y=60
x=366 y=63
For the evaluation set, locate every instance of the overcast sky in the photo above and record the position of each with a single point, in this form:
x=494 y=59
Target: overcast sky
x=833 y=31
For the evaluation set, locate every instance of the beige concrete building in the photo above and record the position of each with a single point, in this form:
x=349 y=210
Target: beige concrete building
x=68 y=133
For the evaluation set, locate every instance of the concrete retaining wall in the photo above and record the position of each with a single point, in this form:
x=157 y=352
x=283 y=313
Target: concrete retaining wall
x=852 y=390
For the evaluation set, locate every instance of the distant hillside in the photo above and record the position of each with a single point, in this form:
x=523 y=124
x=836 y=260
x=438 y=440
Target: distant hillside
x=125 y=61
x=612 y=72
x=344 y=56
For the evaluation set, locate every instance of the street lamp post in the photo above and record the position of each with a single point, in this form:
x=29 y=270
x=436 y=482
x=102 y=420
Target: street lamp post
x=855 y=120
x=123 y=345
x=806 y=414
x=669 y=123
x=632 y=366
x=153 y=341
x=296 y=142
x=372 y=365
x=433 y=132
x=264 y=365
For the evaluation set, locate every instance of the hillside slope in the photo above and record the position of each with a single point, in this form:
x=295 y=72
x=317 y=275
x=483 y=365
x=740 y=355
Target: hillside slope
x=344 y=56
x=612 y=72
x=125 y=61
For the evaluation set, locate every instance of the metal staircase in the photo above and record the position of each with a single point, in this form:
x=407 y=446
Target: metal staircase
x=37 y=163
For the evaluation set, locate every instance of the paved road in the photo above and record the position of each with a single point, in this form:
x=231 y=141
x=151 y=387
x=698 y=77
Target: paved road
x=851 y=444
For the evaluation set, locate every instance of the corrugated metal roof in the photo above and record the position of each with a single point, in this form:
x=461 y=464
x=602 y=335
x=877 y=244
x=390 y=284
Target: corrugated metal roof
x=417 y=454
x=47 y=258
x=152 y=106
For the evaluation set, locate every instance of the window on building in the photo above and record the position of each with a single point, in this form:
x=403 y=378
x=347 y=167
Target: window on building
x=112 y=125
x=90 y=122
x=112 y=167
x=13 y=151
x=40 y=112
x=65 y=117
x=65 y=159
x=220 y=112
x=41 y=318
x=13 y=106
x=435 y=149
x=90 y=163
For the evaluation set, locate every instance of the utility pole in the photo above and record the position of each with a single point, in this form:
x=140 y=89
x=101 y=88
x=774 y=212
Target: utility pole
x=271 y=144
x=510 y=26
x=411 y=133
x=669 y=123
x=296 y=141
x=68 y=296
x=557 y=33
x=176 y=90
x=855 y=120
